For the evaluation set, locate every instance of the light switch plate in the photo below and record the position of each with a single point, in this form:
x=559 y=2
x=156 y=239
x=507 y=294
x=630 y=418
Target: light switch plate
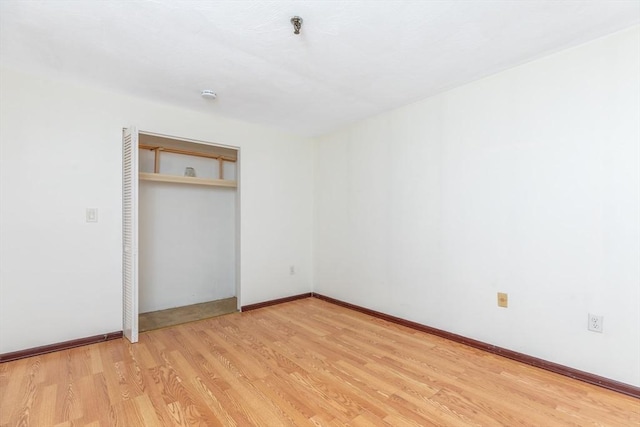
x=92 y=214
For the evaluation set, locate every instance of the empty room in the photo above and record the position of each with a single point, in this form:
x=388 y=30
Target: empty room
x=322 y=213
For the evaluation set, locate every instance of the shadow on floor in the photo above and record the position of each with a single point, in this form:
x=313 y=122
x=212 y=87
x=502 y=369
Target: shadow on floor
x=189 y=313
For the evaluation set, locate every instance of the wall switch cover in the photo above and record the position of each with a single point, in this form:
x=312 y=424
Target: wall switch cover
x=92 y=214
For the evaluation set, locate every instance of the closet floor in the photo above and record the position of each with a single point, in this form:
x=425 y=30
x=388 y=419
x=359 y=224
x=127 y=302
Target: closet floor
x=189 y=313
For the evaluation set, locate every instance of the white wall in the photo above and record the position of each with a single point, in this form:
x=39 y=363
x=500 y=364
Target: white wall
x=526 y=182
x=187 y=248
x=60 y=152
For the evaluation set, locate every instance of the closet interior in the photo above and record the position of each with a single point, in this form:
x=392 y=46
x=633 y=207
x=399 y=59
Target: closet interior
x=187 y=206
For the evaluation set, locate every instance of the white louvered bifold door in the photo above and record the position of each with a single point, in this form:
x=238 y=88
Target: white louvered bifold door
x=130 y=233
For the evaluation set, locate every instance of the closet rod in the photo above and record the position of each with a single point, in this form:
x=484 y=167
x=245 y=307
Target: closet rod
x=187 y=152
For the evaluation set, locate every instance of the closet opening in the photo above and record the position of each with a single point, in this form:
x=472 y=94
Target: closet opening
x=187 y=231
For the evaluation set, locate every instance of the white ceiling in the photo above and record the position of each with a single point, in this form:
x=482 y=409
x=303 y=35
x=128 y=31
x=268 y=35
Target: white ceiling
x=353 y=59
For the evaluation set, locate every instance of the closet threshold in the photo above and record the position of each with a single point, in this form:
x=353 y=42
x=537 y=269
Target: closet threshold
x=158 y=177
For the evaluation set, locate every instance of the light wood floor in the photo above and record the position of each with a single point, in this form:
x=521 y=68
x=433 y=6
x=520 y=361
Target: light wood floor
x=306 y=362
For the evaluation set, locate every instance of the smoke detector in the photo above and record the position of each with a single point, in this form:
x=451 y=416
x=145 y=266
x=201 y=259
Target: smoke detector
x=208 y=94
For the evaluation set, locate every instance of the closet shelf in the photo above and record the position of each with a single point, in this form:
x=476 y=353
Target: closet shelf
x=158 y=177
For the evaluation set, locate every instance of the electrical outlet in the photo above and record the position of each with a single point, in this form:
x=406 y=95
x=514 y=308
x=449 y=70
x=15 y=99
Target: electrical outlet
x=503 y=299
x=595 y=323
x=292 y=270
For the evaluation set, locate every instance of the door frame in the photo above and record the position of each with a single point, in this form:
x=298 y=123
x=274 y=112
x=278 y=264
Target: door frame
x=238 y=289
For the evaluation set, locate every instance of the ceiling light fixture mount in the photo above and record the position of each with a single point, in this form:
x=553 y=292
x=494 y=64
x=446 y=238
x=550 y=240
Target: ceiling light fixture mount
x=208 y=94
x=297 y=24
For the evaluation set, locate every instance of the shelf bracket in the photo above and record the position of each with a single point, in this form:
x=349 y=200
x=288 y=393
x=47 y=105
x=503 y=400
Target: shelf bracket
x=156 y=160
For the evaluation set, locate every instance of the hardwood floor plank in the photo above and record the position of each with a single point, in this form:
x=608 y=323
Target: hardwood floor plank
x=10 y=392
x=366 y=419
x=218 y=402
x=96 y=359
x=304 y=362
x=398 y=420
x=425 y=413
x=67 y=405
x=43 y=413
x=277 y=391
